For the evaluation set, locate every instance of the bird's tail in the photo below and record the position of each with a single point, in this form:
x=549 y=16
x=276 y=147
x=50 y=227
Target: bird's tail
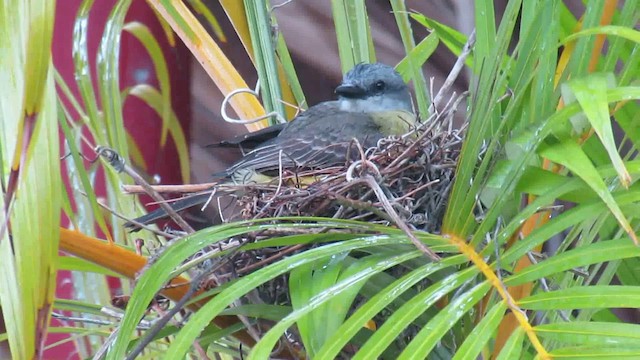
x=158 y=214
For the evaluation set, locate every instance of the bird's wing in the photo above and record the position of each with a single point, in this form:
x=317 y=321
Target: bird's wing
x=317 y=139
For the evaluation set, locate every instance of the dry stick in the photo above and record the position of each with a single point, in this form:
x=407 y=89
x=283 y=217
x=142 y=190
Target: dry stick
x=457 y=68
x=193 y=188
x=119 y=165
x=63 y=318
x=421 y=187
x=118 y=314
x=141 y=225
x=369 y=180
x=430 y=125
x=106 y=345
x=415 y=144
x=576 y=271
x=454 y=107
x=279 y=188
x=245 y=320
x=545 y=287
x=361 y=205
x=188 y=188
x=455 y=71
x=270 y=259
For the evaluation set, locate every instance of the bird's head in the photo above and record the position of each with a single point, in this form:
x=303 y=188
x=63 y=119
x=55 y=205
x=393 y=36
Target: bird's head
x=373 y=87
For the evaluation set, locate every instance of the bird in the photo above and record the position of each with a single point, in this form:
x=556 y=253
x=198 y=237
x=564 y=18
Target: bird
x=373 y=102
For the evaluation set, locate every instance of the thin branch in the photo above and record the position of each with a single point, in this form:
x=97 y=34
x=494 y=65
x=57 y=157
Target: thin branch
x=177 y=189
x=399 y=223
x=118 y=163
x=455 y=71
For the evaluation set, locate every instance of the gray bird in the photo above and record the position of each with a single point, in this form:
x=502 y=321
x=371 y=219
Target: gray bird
x=373 y=103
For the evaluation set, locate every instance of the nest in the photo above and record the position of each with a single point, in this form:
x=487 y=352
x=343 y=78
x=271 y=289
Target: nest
x=415 y=172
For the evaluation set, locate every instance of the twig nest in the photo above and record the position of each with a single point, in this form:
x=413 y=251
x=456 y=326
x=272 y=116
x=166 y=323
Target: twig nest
x=415 y=172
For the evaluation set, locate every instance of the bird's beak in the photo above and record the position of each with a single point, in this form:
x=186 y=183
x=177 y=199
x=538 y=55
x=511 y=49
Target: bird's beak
x=350 y=90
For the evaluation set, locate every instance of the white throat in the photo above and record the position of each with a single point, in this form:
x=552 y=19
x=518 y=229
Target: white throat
x=374 y=104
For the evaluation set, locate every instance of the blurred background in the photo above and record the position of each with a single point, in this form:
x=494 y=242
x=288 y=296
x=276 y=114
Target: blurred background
x=308 y=29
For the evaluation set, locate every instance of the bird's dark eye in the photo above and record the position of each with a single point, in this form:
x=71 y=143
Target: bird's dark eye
x=380 y=85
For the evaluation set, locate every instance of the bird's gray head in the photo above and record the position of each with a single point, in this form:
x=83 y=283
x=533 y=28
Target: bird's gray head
x=373 y=87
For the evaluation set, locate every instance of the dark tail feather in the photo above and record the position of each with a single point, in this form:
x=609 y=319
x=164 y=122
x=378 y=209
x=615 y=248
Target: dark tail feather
x=251 y=140
x=158 y=214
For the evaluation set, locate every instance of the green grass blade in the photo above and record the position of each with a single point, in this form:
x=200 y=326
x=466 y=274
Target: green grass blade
x=433 y=332
x=264 y=56
x=473 y=344
x=569 y=154
x=401 y=318
x=353 y=33
x=584 y=297
x=592 y=333
x=414 y=64
x=513 y=347
x=582 y=256
x=345 y=288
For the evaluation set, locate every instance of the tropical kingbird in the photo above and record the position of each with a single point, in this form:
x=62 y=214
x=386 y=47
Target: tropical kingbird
x=373 y=103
